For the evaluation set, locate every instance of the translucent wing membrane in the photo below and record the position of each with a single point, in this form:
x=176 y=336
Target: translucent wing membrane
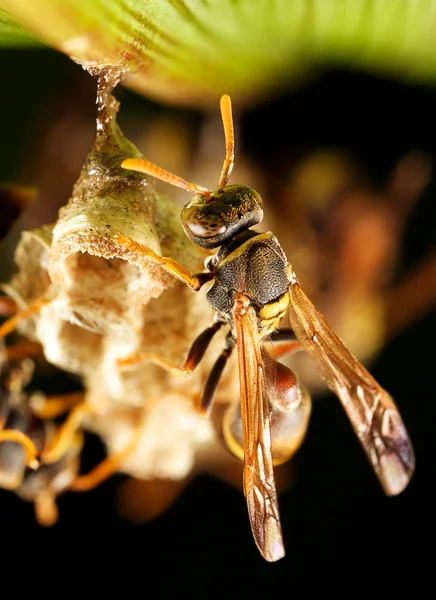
x=371 y=410
x=259 y=485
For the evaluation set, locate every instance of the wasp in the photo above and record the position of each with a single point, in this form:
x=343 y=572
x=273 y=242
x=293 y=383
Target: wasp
x=24 y=435
x=253 y=287
x=39 y=456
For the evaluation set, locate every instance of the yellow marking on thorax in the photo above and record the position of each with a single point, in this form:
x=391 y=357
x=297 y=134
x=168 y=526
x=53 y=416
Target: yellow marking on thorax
x=243 y=247
x=272 y=313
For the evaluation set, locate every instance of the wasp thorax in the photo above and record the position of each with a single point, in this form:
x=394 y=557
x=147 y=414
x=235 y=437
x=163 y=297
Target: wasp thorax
x=210 y=222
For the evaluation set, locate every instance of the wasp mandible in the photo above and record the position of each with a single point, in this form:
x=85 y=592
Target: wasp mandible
x=253 y=288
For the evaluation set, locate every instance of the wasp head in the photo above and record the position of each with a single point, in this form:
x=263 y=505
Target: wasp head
x=211 y=221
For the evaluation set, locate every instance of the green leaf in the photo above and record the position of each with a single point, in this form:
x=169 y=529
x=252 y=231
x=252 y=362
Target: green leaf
x=11 y=34
x=191 y=51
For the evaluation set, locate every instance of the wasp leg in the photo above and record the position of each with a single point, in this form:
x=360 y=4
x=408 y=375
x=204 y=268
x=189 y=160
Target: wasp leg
x=14 y=435
x=43 y=487
x=194 y=282
x=23 y=350
x=156 y=359
x=8 y=306
x=46 y=510
x=213 y=379
x=50 y=407
x=195 y=354
x=108 y=466
x=283 y=343
x=32 y=309
x=65 y=434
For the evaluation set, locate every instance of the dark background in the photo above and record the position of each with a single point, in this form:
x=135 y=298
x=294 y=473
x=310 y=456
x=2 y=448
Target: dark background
x=341 y=532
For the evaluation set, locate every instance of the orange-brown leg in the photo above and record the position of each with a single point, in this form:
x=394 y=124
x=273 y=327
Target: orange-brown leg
x=13 y=435
x=46 y=510
x=8 y=306
x=50 y=407
x=23 y=350
x=283 y=342
x=65 y=434
x=156 y=359
x=32 y=309
x=101 y=472
x=108 y=466
x=195 y=354
x=194 y=282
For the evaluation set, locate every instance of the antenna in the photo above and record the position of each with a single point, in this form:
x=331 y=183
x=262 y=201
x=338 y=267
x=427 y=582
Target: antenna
x=142 y=165
x=226 y=115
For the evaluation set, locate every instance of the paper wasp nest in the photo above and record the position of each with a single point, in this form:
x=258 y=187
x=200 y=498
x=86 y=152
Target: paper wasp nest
x=106 y=302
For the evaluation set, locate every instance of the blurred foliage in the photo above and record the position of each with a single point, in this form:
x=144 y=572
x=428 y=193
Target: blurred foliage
x=191 y=51
x=12 y=35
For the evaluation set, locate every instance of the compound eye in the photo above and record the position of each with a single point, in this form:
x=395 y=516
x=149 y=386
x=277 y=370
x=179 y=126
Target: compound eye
x=205 y=226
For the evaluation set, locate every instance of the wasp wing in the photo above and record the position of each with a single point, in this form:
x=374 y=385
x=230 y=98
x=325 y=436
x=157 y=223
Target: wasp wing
x=371 y=410
x=259 y=484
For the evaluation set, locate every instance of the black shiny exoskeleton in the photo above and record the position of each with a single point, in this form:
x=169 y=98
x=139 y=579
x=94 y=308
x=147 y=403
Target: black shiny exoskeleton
x=247 y=262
